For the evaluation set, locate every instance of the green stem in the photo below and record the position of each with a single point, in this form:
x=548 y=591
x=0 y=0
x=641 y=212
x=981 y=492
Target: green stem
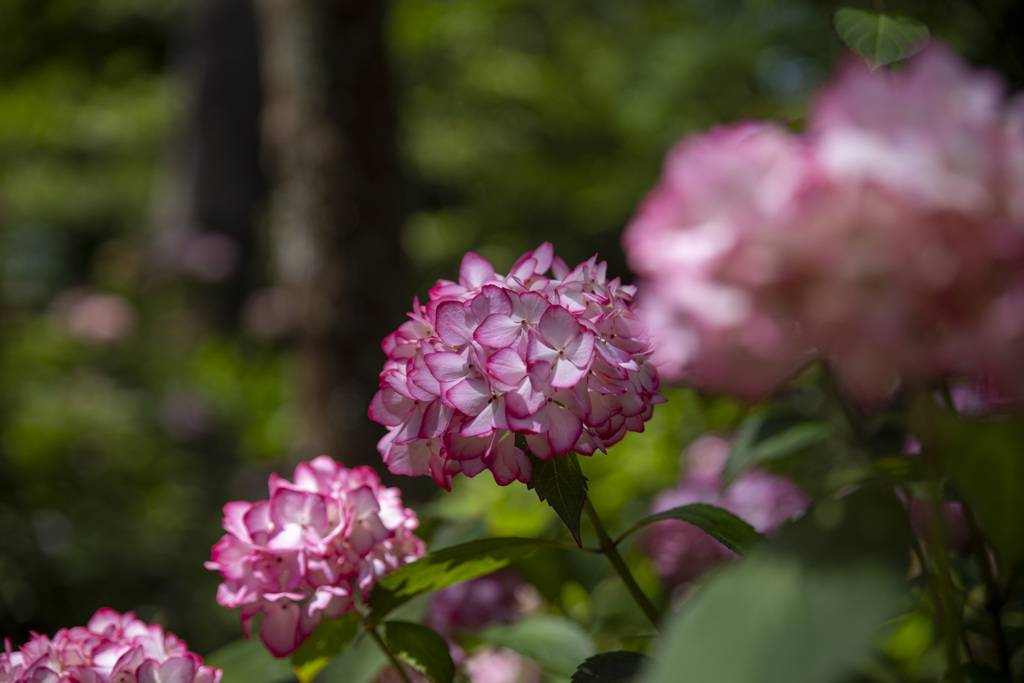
x=942 y=576
x=620 y=566
x=850 y=416
x=915 y=544
x=372 y=630
x=579 y=548
x=993 y=600
x=942 y=572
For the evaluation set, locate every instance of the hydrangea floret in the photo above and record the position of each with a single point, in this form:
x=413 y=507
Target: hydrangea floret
x=888 y=238
x=311 y=550
x=554 y=354
x=111 y=648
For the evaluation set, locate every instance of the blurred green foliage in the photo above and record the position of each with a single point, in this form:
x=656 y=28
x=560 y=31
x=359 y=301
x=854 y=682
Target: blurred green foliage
x=522 y=121
x=531 y=121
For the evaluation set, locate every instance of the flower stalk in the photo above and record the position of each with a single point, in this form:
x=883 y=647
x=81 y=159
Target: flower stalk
x=371 y=629
x=941 y=575
x=608 y=546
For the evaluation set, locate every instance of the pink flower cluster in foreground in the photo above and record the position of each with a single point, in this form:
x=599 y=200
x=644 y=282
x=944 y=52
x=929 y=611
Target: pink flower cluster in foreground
x=560 y=359
x=888 y=238
x=111 y=648
x=307 y=551
x=682 y=552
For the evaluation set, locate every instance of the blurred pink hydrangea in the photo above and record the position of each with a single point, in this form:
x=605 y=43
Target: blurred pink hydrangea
x=500 y=665
x=111 y=648
x=682 y=552
x=559 y=359
x=467 y=607
x=498 y=598
x=305 y=553
x=95 y=317
x=889 y=238
x=958 y=530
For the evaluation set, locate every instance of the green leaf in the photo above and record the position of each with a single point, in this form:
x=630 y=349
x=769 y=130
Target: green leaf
x=806 y=609
x=361 y=662
x=984 y=459
x=722 y=525
x=327 y=640
x=556 y=643
x=762 y=439
x=620 y=666
x=444 y=567
x=421 y=648
x=560 y=482
x=248 y=661
x=879 y=38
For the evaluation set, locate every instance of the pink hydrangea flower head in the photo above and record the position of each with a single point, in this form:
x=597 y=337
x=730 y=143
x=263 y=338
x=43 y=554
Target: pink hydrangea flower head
x=930 y=132
x=889 y=238
x=498 y=598
x=467 y=607
x=552 y=354
x=680 y=551
x=500 y=665
x=111 y=648
x=925 y=205
x=311 y=548
x=705 y=241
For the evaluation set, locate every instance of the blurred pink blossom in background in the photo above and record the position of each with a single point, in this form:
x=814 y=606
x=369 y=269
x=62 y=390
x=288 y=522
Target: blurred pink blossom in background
x=468 y=607
x=682 y=552
x=95 y=317
x=111 y=648
x=307 y=551
x=889 y=238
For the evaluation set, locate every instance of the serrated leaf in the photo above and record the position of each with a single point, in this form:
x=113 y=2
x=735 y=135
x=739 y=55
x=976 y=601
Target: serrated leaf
x=620 y=666
x=764 y=439
x=806 y=609
x=560 y=483
x=722 y=525
x=329 y=638
x=555 y=642
x=421 y=648
x=447 y=566
x=879 y=38
x=248 y=661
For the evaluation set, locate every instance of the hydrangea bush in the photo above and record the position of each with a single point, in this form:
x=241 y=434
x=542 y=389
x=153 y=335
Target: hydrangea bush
x=856 y=288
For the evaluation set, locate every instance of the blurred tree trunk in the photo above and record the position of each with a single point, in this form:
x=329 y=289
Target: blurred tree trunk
x=221 y=186
x=329 y=126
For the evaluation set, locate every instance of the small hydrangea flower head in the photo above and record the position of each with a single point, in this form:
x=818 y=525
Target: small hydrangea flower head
x=889 y=238
x=310 y=549
x=682 y=552
x=470 y=606
x=500 y=665
x=498 y=598
x=111 y=648
x=554 y=355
